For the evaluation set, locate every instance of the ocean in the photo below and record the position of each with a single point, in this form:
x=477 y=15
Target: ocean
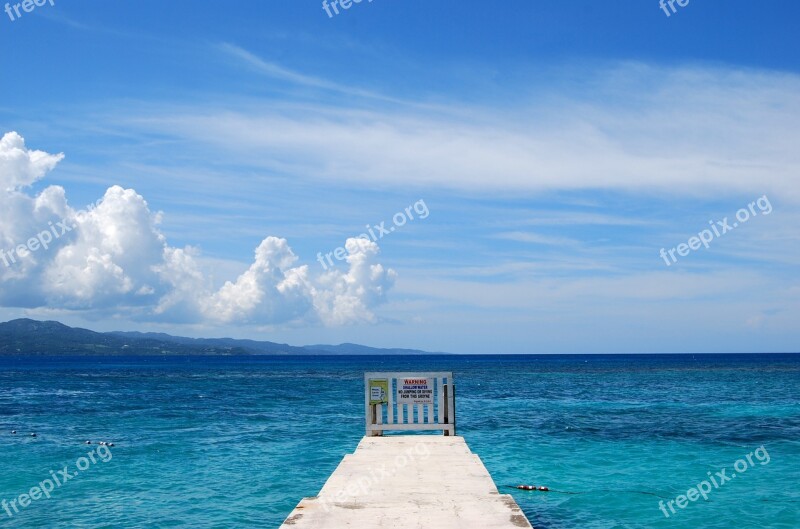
x=219 y=442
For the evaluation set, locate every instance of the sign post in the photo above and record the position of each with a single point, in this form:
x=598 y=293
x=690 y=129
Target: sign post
x=414 y=391
x=379 y=391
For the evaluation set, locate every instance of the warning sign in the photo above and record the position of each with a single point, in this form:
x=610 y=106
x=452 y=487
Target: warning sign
x=378 y=391
x=414 y=391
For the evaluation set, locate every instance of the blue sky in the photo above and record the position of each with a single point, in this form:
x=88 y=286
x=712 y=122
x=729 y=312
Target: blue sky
x=556 y=146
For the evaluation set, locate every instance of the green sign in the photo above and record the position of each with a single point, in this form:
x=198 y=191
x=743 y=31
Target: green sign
x=378 y=391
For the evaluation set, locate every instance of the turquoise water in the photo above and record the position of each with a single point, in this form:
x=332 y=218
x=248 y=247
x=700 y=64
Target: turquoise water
x=237 y=442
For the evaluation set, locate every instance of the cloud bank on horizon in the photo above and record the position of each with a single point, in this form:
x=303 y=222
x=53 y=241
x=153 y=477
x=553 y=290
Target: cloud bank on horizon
x=113 y=258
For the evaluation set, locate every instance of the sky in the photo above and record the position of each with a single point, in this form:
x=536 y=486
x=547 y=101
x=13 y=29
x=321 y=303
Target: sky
x=468 y=177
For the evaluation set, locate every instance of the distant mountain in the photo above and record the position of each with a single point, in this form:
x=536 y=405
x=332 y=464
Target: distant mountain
x=25 y=336
x=355 y=349
x=53 y=338
x=248 y=346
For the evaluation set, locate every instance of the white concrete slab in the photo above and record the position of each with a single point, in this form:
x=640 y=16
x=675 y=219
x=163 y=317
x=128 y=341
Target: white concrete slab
x=409 y=481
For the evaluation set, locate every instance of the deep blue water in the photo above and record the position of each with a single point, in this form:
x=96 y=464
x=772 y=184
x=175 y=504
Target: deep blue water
x=238 y=441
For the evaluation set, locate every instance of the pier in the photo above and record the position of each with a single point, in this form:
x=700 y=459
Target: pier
x=409 y=480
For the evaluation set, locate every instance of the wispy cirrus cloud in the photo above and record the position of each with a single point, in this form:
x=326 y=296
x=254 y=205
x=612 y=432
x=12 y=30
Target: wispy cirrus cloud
x=689 y=131
x=535 y=238
x=281 y=73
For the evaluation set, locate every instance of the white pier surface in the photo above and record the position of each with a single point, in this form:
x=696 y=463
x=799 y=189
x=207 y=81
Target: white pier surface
x=409 y=481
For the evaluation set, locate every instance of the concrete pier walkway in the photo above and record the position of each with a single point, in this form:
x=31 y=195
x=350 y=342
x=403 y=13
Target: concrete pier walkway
x=409 y=481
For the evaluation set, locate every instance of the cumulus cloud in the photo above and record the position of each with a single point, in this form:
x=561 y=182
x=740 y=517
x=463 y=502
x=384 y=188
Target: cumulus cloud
x=348 y=297
x=271 y=290
x=112 y=256
x=20 y=167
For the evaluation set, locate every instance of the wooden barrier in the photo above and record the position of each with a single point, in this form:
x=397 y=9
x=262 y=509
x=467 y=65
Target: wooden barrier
x=409 y=402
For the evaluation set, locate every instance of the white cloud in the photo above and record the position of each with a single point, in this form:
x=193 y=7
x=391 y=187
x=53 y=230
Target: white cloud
x=535 y=238
x=114 y=257
x=20 y=167
x=280 y=73
x=271 y=290
x=686 y=130
x=109 y=257
x=348 y=297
